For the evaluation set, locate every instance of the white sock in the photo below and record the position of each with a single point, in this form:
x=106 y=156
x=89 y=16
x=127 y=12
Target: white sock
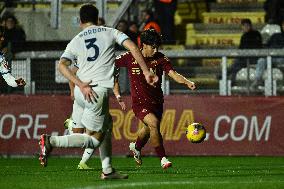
x=75 y=140
x=105 y=153
x=87 y=155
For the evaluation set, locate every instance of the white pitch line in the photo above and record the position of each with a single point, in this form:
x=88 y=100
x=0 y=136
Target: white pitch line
x=135 y=184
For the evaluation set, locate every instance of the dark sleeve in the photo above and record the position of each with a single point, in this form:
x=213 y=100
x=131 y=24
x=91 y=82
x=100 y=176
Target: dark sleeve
x=259 y=40
x=167 y=66
x=122 y=60
x=23 y=35
x=242 y=42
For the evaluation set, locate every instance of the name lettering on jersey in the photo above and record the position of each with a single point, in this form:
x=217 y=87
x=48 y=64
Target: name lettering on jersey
x=135 y=62
x=135 y=71
x=121 y=55
x=92 y=31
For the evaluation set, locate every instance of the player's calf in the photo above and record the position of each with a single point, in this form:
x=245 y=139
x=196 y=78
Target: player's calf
x=136 y=153
x=45 y=149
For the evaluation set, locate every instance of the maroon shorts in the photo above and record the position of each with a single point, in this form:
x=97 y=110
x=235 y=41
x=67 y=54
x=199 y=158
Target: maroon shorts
x=142 y=110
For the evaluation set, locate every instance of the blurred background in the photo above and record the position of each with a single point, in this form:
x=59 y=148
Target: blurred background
x=197 y=34
x=231 y=49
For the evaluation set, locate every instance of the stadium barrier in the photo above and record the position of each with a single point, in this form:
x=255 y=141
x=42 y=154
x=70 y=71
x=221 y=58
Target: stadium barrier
x=248 y=126
x=270 y=89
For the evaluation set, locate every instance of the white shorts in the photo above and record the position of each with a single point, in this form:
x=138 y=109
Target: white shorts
x=92 y=116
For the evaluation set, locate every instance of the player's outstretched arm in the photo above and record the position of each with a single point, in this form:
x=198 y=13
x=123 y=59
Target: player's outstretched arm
x=180 y=79
x=85 y=87
x=12 y=81
x=8 y=77
x=116 y=92
x=151 y=78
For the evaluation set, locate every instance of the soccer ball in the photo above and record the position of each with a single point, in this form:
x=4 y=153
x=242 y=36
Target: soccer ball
x=196 y=133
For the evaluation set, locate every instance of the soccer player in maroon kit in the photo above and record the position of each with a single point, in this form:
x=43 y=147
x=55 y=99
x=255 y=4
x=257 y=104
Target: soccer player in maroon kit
x=147 y=100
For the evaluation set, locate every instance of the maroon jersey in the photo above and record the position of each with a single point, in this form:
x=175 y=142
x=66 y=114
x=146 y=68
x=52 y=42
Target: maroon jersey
x=141 y=91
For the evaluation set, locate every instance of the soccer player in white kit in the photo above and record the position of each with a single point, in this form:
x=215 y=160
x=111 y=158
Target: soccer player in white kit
x=94 y=50
x=6 y=74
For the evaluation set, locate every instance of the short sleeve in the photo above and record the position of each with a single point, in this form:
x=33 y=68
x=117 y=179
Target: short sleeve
x=70 y=51
x=167 y=66
x=119 y=36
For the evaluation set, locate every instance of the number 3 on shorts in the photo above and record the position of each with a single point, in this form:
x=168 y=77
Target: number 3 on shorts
x=90 y=43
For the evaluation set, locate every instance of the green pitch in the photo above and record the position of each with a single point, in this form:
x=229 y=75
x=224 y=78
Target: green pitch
x=187 y=172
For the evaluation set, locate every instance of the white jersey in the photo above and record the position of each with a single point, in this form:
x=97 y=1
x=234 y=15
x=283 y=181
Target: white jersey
x=94 y=50
x=6 y=73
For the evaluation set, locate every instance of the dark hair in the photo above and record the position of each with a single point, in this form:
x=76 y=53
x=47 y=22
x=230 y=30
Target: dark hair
x=246 y=21
x=123 y=21
x=102 y=20
x=89 y=13
x=133 y=23
x=151 y=37
x=148 y=12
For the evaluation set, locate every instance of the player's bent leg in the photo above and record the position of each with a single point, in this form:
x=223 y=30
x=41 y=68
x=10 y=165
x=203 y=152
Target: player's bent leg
x=153 y=123
x=136 y=147
x=136 y=153
x=106 y=153
x=86 y=156
x=156 y=139
x=143 y=137
x=45 y=149
x=75 y=140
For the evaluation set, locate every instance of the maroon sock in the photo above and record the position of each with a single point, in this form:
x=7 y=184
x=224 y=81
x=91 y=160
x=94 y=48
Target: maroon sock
x=160 y=150
x=140 y=143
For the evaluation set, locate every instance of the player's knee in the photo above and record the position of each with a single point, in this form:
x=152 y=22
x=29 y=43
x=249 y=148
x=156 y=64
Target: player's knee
x=91 y=142
x=154 y=125
x=98 y=135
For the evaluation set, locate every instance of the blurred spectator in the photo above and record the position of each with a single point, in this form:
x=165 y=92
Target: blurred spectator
x=3 y=42
x=251 y=39
x=9 y=3
x=13 y=32
x=2 y=22
x=101 y=22
x=148 y=21
x=133 y=32
x=274 y=10
x=165 y=10
x=123 y=27
x=276 y=41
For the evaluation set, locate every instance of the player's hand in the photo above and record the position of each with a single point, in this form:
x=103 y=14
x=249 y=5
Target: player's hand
x=89 y=94
x=151 y=78
x=191 y=85
x=20 y=82
x=121 y=102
